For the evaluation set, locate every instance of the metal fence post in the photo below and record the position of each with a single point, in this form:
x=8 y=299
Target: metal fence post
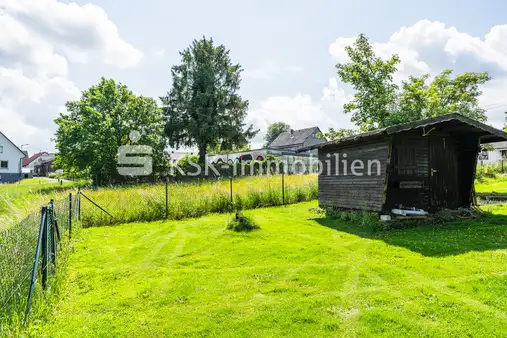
x=283 y=189
x=232 y=203
x=70 y=215
x=79 y=204
x=44 y=249
x=166 y=200
x=53 y=232
x=36 y=261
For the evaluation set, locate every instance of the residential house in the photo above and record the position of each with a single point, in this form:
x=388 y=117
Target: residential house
x=38 y=163
x=10 y=160
x=493 y=153
x=295 y=139
x=427 y=164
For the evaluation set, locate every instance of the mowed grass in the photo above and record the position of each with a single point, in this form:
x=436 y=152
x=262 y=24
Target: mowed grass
x=492 y=185
x=300 y=274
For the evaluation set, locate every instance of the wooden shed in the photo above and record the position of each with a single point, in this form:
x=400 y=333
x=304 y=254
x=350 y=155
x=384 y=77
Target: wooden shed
x=428 y=164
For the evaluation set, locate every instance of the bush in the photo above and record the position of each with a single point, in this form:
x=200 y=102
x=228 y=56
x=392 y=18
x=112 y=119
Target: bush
x=242 y=223
x=490 y=170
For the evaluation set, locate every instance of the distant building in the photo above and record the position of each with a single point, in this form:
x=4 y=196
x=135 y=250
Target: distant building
x=10 y=160
x=285 y=147
x=493 y=153
x=295 y=139
x=30 y=162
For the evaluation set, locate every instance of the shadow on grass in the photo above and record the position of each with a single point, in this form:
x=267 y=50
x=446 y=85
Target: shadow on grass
x=445 y=239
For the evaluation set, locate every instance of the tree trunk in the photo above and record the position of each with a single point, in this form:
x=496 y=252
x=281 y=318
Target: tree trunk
x=202 y=154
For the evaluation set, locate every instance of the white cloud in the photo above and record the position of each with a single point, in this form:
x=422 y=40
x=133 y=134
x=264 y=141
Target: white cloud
x=83 y=33
x=301 y=111
x=268 y=69
x=38 y=40
x=160 y=53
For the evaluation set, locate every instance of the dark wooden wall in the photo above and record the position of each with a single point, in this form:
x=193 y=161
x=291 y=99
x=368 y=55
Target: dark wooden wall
x=408 y=173
x=343 y=189
x=467 y=162
x=452 y=156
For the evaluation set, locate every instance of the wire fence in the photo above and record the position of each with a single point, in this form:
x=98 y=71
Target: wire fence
x=178 y=200
x=29 y=254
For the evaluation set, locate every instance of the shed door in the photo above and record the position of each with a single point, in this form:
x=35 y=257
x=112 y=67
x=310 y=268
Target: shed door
x=443 y=173
x=435 y=172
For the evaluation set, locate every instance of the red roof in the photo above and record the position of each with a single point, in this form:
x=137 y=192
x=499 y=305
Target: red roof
x=27 y=160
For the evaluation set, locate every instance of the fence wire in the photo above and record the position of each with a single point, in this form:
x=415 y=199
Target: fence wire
x=193 y=198
x=18 y=247
x=17 y=252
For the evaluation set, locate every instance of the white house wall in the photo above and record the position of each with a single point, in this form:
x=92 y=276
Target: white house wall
x=11 y=154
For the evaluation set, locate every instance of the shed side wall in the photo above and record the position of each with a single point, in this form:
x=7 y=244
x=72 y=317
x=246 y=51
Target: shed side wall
x=339 y=187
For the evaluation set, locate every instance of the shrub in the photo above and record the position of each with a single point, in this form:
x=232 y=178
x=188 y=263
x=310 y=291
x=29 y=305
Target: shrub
x=364 y=219
x=242 y=223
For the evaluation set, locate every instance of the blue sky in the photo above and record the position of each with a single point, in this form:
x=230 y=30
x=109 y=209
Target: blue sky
x=51 y=50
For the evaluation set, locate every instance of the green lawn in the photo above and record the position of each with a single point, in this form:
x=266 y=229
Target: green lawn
x=301 y=274
x=490 y=185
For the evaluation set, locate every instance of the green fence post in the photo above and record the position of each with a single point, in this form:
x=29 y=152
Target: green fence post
x=232 y=202
x=70 y=215
x=166 y=200
x=52 y=232
x=44 y=248
x=40 y=239
x=283 y=189
x=79 y=204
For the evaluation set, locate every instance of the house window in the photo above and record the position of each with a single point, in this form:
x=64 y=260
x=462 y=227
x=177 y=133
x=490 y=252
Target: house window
x=1 y=149
x=405 y=161
x=4 y=164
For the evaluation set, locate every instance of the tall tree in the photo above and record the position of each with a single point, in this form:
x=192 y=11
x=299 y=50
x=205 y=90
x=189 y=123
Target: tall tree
x=372 y=79
x=203 y=107
x=444 y=95
x=89 y=134
x=275 y=129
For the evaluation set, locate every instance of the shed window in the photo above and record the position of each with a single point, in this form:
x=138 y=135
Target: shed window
x=4 y=164
x=405 y=161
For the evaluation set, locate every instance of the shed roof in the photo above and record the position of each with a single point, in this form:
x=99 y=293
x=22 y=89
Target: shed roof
x=293 y=137
x=450 y=122
x=500 y=145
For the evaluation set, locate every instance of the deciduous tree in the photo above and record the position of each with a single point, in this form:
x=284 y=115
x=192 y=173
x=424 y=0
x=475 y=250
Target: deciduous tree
x=90 y=132
x=372 y=79
x=274 y=130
